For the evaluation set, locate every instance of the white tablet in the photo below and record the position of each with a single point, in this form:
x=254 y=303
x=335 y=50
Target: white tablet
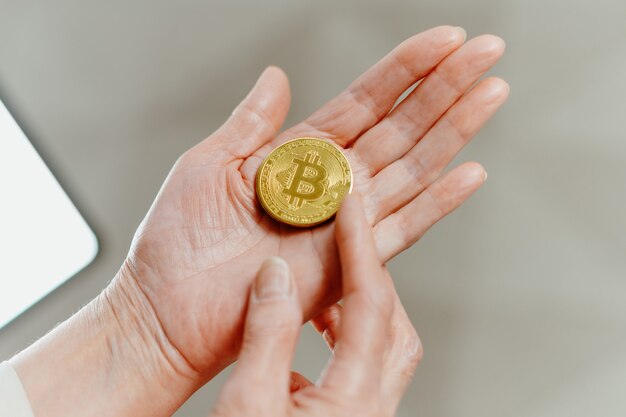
x=43 y=238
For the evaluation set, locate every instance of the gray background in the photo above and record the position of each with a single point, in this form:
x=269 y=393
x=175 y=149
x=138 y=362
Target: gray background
x=519 y=297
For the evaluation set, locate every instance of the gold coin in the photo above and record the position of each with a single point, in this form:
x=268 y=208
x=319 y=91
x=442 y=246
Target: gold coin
x=303 y=181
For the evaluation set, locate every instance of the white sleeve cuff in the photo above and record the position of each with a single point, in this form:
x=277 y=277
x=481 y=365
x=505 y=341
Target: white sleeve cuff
x=13 y=400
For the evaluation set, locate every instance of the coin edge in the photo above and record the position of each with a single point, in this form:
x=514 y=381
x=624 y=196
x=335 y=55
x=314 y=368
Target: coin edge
x=263 y=163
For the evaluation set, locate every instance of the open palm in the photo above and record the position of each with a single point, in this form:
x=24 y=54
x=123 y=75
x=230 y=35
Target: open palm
x=198 y=249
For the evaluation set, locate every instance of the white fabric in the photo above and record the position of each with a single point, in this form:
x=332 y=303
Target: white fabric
x=13 y=400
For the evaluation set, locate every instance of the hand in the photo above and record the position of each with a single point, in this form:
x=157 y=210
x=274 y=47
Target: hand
x=196 y=253
x=173 y=317
x=404 y=351
x=375 y=347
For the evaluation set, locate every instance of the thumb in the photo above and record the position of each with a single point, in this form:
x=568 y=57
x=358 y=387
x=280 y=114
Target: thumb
x=258 y=118
x=271 y=331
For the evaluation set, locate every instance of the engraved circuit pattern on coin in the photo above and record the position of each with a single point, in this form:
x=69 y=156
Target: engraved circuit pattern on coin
x=303 y=181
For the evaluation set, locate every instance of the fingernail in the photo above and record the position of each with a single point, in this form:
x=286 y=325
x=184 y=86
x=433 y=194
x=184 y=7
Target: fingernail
x=463 y=32
x=273 y=280
x=485 y=176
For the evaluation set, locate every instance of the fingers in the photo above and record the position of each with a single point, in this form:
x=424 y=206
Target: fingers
x=402 y=357
x=404 y=354
x=373 y=94
x=403 y=228
x=370 y=97
x=257 y=119
x=410 y=120
x=327 y=324
x=376 y=348
x=368 y=305
x=271 y=330
x=400 y=182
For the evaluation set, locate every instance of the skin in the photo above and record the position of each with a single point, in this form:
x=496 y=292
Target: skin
x=173 y=316
x=375 y=347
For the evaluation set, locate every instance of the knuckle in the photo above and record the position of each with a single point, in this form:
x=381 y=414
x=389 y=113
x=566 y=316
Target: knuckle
x=255 y=116
x=185 y=159
x=412 y=352
x=415 y=351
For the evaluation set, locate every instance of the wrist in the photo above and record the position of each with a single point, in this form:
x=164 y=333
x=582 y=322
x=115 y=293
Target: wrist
x=139 y=339
x=110 y=358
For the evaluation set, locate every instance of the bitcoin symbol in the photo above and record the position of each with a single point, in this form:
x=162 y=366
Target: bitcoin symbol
x=307 y=183
x=303 y=181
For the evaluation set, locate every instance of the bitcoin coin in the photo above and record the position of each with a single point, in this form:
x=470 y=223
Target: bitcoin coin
x=303 y=181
